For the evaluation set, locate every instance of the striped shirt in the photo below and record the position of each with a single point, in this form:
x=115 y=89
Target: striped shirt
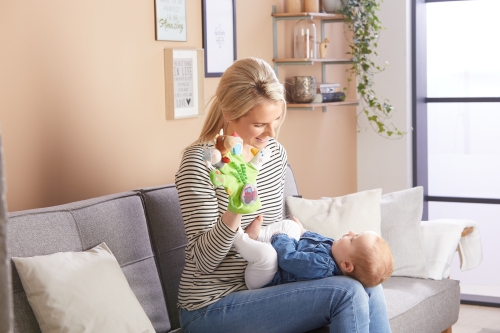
x=213 y=268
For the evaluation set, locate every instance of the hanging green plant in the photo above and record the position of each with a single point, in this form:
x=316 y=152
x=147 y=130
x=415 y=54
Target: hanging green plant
x=362 y=20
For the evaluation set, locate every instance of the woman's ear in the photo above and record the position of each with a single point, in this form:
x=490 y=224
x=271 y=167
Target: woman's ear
x=347 y=266
x=225 y=118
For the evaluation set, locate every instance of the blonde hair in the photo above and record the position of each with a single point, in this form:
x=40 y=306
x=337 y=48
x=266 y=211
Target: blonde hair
x=372 y=264
x=247 y=83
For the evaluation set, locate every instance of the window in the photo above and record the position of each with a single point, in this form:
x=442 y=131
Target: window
x=456 y=118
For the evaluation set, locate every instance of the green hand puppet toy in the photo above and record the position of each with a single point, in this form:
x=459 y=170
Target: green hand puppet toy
x=237 y=176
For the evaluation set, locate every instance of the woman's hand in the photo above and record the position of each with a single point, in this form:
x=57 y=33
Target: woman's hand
x=239 y=180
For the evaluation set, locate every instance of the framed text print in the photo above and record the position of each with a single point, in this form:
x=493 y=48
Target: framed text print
x=170 y=18
x=219 y=35
x=184 y=91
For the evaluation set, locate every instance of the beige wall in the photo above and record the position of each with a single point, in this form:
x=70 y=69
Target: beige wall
x=82 y=108
x=383 y=163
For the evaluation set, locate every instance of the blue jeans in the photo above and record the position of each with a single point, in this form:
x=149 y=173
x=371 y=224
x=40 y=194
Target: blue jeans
x=338 y=301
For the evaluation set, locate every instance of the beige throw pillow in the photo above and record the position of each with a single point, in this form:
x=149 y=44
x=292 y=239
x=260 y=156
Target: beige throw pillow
x=81 y=292
x=401 y=216
x=333 y=217
x=401 y=213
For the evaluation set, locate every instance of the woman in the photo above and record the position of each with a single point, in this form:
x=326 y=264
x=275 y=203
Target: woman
x=212 y=293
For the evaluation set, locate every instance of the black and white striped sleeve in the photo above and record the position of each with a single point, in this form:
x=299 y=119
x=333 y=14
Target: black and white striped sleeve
x=209 y=239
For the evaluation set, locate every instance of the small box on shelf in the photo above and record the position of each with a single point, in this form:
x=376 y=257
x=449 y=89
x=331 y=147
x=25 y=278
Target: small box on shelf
x=329 y=97
x=328 y=87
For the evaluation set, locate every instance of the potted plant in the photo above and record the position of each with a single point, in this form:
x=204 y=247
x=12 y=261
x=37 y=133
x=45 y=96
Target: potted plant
x=362 y=21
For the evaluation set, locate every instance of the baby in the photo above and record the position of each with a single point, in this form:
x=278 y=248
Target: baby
x=285 y=252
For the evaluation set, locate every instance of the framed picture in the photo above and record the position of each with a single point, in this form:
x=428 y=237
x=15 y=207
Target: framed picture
x=184 y=91
x=219 y=35
x=170 y=17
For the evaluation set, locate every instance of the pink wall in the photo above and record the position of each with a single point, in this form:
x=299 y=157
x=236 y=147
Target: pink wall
x=82 y=102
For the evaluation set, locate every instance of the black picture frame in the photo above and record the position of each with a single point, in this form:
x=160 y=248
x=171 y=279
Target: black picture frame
x=219 y=35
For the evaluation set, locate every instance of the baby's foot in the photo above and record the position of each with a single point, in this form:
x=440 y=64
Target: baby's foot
x=302 y=229
x=253 y=229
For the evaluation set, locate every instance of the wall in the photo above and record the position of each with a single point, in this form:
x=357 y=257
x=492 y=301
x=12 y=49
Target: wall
x=384 y=163
x=82 y=108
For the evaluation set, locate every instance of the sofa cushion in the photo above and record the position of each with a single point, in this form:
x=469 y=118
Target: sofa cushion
x=421 y=306
x=75 y=291
x=119 y=220
x=334 y=217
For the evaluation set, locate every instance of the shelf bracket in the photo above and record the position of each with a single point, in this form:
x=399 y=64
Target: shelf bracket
x=275 y=40
x=301 y=108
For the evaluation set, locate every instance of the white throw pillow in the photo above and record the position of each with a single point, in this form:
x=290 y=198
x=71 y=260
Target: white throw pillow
x=401 y=217
x=333 y=217
x=81 y=291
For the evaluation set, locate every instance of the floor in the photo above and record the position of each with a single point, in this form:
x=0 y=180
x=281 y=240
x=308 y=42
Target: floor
x=477 y=319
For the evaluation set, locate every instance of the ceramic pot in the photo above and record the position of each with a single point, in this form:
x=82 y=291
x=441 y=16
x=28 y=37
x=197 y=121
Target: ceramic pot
x=303 y=89
x=332 y=6
x=293 y=6
x=311 y=6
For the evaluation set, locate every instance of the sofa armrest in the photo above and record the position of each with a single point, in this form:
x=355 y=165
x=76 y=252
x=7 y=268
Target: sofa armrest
x=442 y=237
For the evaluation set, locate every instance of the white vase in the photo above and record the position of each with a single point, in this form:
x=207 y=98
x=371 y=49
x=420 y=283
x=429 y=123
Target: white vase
x=332 y=6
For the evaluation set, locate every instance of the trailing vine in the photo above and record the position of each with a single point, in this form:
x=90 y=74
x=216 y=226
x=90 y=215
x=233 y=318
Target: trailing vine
x=362 y=20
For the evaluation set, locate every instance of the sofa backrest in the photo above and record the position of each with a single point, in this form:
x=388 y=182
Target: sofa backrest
x=169 y=237
x=144 y=230
x=169 y=240
x=118 y=220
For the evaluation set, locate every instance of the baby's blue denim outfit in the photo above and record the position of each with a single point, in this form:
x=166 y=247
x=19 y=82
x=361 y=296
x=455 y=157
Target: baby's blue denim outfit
x=309 y=258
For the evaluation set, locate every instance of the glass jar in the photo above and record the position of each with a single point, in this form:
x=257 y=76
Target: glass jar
x=304 y=42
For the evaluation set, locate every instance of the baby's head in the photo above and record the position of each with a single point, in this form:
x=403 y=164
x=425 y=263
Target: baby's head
x=365 y=257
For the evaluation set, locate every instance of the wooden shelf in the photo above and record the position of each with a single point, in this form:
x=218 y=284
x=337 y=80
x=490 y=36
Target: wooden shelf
x=324 y=18
x=310 y=15
x=311 y=106
x=310 y=61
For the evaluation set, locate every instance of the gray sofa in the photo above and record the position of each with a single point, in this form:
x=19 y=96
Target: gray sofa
x=145 y=231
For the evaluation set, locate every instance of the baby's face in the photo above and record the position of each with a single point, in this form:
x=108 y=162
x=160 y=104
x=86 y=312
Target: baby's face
x=344 y=248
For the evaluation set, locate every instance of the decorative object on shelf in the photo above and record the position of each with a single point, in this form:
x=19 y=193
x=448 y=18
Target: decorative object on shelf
x=324 y=18
x=328 y=87
x=329 y=97
x=293 y=6
x=332 y=6
x=311 y=6
x=184 y=92
x=322 y=48
x=362 y=20
x=303 y=89
x=219 y=35
x=304 y=42
x=170 y=17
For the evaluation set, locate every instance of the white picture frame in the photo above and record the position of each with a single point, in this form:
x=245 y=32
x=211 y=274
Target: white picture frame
x=170 y=18
x=219 y=35
x=184 y=83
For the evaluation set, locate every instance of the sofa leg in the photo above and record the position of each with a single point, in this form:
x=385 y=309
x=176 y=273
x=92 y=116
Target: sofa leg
x=448 y=330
